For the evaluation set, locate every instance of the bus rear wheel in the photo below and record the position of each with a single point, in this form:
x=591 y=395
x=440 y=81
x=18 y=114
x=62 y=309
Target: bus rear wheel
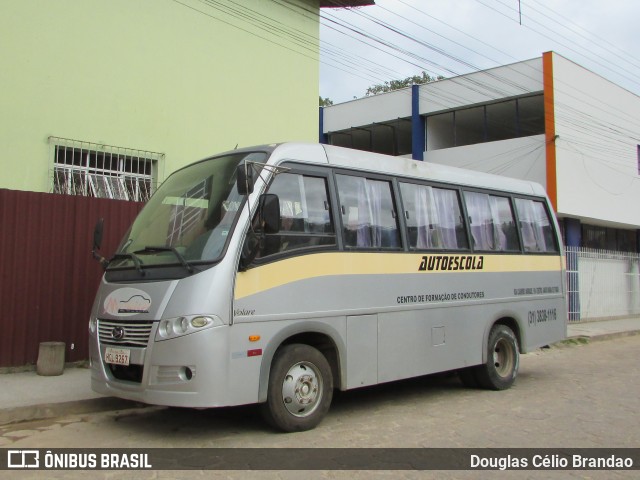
x=503 y=360
x=300 y=389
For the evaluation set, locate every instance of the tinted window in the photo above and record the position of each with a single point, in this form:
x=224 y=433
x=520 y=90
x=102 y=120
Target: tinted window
x=433 y=217
x=368 y=213
x=305 y=215
x=492 y=222
x=535 y=226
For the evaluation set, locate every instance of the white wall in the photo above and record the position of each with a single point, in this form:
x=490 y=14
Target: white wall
x=368 y=110
x=481 y=87
x=598 y=127
x=522 y=158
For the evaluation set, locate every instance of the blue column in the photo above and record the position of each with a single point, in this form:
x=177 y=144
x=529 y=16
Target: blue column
x=322 y=138
x=573 y=235
x=573 y=232
x=418 y=125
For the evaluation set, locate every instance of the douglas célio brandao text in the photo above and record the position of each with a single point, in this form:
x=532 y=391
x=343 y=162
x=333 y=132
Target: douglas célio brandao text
x=550 y=461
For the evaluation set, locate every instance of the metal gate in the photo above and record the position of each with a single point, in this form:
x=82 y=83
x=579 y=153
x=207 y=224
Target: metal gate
x=602 y=284
x=47 y=277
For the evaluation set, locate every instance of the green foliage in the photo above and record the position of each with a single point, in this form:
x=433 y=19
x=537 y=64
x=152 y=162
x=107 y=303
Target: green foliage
x=398 y=84
x=325 y=102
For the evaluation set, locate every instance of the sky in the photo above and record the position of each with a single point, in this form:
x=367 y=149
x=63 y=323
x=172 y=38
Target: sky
x=396 y=39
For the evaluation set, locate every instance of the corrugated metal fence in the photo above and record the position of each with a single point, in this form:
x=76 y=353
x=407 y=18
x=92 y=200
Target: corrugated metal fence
x=602 y=284
x=47 y=276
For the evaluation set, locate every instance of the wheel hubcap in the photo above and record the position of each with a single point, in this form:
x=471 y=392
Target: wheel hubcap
x=503 y=358
x=302 y=389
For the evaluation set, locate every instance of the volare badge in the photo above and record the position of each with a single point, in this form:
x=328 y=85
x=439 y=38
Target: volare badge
x=125 y=302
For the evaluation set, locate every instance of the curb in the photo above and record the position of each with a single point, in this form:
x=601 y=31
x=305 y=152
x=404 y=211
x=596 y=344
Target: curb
x=47 y=411
x=584 y=338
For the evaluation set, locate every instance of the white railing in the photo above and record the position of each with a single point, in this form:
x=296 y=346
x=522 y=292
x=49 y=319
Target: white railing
x=602 y=284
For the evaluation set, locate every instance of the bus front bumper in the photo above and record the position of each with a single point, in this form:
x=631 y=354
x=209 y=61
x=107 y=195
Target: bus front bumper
x=188 y=371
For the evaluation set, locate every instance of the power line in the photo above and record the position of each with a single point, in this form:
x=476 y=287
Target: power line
x=595 y=125
x=627 y=75
x=576 y=29
x=578 y=121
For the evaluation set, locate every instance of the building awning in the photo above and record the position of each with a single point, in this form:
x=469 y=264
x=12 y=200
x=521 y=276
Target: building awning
x=345 y=3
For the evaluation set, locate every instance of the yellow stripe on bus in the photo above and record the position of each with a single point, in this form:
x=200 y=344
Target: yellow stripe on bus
x=304 y=267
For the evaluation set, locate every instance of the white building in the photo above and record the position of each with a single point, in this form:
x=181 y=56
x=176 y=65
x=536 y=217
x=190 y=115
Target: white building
x=546 y=119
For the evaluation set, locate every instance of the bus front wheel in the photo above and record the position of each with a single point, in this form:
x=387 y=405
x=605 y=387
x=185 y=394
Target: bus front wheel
x=503 y=360
x=300 y=389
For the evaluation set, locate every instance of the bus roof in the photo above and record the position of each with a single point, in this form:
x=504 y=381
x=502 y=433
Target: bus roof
x=400 y=166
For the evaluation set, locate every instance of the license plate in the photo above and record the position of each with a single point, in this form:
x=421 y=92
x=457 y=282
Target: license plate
x=117 y=356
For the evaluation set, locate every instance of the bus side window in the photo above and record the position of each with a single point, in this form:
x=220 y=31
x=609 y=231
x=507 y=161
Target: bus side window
x=433 y=217
x=492 y=222
x=535 y=226
x=369 y=216
x=305 y=216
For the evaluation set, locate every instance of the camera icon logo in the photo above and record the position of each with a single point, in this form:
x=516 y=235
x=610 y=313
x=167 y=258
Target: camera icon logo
x=23 y=459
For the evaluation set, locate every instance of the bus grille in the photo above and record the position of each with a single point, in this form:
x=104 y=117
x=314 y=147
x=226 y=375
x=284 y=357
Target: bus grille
x=134 y=334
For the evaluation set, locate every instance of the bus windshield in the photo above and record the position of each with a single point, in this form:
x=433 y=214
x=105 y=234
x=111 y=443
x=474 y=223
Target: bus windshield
x=189 y=218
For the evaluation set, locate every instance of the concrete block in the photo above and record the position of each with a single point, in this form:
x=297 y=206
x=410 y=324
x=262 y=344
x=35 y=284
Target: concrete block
x=50 y=359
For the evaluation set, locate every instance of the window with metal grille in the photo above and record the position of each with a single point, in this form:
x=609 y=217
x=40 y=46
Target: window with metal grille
x=103 y=171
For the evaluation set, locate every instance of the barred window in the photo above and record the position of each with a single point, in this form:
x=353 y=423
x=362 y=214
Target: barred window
x=103 y=171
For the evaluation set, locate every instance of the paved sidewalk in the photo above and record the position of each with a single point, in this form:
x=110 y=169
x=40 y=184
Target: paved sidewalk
x=605 y=328
x=27 y=396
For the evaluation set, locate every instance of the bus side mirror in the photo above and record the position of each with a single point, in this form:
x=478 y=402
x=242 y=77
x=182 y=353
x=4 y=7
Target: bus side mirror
x=244 y=179
x=269 y=217
x=97 y=243
x=270 y=213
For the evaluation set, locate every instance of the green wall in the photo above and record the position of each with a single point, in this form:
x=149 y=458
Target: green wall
x=151 y=74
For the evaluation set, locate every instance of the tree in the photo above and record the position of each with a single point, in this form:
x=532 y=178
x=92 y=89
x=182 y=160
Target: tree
x=397 y=84
x=325 y=102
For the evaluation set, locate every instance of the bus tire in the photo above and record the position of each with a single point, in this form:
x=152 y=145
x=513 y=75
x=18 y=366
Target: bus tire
x=300 y=389
x=503 y=360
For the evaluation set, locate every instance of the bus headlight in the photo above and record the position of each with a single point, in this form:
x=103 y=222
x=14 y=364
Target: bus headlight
x=181 y=326
x=165 y=329
x=177 y=327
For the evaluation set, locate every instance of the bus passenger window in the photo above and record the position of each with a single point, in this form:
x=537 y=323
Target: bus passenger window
x=535 y=226
x=492 y=222
x=369 y=216
x=433 y=218
x=305 y=216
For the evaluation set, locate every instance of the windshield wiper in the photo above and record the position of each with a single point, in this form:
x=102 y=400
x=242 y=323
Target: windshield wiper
x=181 y=259
x=129 y=256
